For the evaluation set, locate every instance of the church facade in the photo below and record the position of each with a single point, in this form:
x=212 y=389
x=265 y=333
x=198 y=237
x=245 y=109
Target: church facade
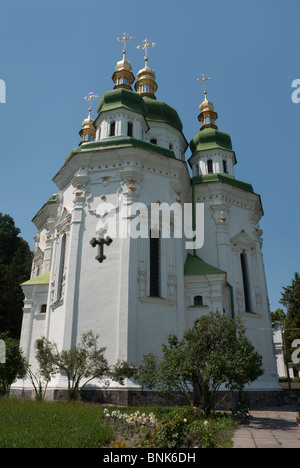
x=135 y=290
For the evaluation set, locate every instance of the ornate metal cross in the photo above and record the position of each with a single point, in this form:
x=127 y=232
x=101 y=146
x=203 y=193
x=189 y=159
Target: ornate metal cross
x=145 y=47
x=100 y=242
x=90 y=98
x=125 y=38
x=204 y=78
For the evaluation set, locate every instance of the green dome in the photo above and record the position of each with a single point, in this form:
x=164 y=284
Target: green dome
x=122 y=97
x=210 y=138
x=152 y=109
x=161 y=112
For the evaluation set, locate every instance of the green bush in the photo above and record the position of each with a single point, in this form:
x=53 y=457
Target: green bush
x=187 y=427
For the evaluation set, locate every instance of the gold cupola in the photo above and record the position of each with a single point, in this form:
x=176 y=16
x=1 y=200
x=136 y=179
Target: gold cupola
x=123 y=76
x=146 y=79
x=207 y=115
x=88 y=131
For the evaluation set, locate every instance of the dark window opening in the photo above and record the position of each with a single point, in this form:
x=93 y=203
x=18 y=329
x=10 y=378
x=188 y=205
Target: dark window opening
x=153 y=141
x=130 y=129
x=210 y=168
x=198 y=300
x=246 y=282
x=154 y=266
x=112 y=129
x=43 y=309
x=61 y=266
x=225 y=166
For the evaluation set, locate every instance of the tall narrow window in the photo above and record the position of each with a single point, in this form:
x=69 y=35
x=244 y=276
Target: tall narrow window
x=154 y=266
x=61 y=266
x=130 y=129
x=246 y=282
x=112 y=129
x=210 y=168
x=225 y=166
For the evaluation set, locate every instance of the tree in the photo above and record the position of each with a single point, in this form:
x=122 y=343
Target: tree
x=15 y=366
x=47 y=369
x=214 y=352
x=290 y=299
x=81 y=364
x=15 y=265
x=278 y=316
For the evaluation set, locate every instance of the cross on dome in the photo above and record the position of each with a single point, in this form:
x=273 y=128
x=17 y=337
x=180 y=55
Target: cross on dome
x=145 y=47
x=90 y=97
x=124 y=38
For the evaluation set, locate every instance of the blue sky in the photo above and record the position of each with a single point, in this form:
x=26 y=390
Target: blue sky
x=53 y=53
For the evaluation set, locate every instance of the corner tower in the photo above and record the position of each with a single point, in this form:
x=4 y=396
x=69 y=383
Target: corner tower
x=233 y=242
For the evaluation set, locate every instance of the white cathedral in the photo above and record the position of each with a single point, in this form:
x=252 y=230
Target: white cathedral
x=146 y=287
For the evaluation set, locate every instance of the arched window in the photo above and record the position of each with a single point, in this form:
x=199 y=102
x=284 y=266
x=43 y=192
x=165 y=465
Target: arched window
x=210 y=168
x=130 y=129
x=198 y=301
x=154 y=265
x=246 y=282
x=153 y=141
x=112 y=129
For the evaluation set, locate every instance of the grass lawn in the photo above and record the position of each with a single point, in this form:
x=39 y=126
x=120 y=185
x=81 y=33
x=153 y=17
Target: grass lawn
x=62 y=424
x=30 y=424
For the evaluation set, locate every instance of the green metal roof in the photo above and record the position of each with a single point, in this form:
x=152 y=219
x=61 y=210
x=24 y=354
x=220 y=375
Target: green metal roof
x=226 y=179
x=210 y=138
x=195 y=266
x=122 y=97
x=118 y=142
x=150 y=108
x=41 y=279
x=159 y=111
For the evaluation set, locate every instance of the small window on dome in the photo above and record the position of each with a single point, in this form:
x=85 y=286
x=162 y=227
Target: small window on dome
x=210 y=168
x=130 y=129
x=170 y=146
x=112 y=129
x=153 y=141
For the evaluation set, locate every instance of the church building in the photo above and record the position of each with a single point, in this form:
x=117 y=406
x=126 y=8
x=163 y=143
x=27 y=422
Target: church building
x=135 y=290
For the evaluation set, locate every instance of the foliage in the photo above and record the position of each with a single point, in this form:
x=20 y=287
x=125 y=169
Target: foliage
x=47 y=369
x=214 y=352
x=183 y=427
x=174 y=428
x=15 y=266
x=15 y=364
x=81 y=364
x=278 y=316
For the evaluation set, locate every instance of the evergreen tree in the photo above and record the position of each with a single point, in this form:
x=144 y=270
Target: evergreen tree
x=290 y=299
x=15 y=267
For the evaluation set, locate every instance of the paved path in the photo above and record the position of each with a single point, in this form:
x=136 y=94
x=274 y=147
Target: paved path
x=270 y=428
